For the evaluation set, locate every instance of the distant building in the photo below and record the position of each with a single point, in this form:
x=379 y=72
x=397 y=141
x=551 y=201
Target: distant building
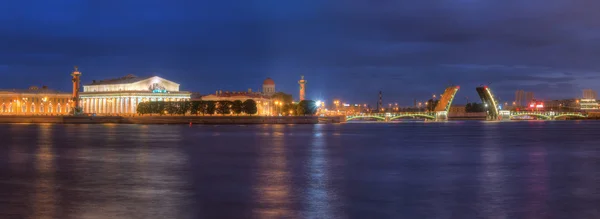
x=263 y=99
x=520 y=98
x=269 y=87
x=122 y=95
x=34 y=101
x=529 y=98
x=590 y=94
x=562 y=105
x=588 y=104
x=457 y=109
x=264 y=103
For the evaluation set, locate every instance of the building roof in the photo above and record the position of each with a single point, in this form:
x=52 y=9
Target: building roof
x=33 y=90
x=238 y=94
x=128 y=79
x=269 y=81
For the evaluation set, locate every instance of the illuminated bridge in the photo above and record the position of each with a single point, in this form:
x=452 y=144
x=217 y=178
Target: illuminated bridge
x=494 y=111
x=544 y=115
x=440 y=112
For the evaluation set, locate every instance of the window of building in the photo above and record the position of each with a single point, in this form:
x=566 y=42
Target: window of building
x=50 y=108
x=41 y=108
x=58 y=109
x=32 y=108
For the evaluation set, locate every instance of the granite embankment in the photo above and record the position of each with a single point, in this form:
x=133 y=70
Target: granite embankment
x=172 y=119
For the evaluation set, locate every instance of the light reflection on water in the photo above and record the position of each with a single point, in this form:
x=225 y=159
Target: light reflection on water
x=395 y=170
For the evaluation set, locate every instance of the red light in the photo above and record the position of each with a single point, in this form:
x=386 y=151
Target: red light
x=531 y=105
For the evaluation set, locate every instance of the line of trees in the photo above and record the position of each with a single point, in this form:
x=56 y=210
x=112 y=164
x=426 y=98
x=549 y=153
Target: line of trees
x=201 y=107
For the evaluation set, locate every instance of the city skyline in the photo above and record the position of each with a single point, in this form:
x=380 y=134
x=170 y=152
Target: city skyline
x=348 y=50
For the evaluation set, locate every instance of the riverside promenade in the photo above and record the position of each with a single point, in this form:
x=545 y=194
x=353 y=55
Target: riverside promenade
x=173 y=119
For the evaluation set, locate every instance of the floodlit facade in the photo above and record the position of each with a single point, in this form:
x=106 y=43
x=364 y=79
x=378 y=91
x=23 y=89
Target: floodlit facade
x=588 y=104
x=122 y=95
x=264 y=102
x=34 y=101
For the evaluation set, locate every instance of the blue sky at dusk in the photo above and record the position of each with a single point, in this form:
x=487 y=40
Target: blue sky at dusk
x=348 y=49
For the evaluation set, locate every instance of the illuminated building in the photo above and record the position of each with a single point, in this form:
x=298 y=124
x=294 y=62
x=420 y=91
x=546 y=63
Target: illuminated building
x=302 y=83
x=269 y=87
x=536 y=105
x=264 y=104
x=34 y=101
x=122 y=95
x=457 y=109
x=588 y=104
x=263 y=100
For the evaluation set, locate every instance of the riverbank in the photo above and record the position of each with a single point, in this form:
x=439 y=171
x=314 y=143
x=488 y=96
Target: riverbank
x=173 y=119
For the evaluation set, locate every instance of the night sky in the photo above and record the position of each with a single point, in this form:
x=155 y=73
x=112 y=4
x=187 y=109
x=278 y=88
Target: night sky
x=348 y=49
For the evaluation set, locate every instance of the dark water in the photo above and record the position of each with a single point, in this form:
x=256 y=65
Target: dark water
x=409 y=170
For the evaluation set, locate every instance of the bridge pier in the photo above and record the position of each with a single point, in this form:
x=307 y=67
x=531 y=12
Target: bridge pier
x=441 y=116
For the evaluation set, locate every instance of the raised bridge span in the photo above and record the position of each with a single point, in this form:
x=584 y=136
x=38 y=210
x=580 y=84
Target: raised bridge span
x=440 y=113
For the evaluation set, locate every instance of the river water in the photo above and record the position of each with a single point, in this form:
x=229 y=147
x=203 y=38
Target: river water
x=532 y=169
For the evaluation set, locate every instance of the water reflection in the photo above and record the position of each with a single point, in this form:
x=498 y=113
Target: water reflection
x=318 y=194
x=536 y=182
x=273 y=186
x=503 y=170
x=44 y=198
x=492 y=176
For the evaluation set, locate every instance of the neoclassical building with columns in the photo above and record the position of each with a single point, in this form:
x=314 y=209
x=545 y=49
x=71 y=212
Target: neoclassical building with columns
x=122 y=95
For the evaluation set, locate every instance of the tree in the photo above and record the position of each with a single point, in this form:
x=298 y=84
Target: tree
x=224 y=107
x=142 y=108
x=431 y=104
x=290 y=109
x=210 y=107
x=195 y=107
x=249 y=107
x=183 y=107
x=171 y=107
x=307 y=107
x=237 y=107
x=283 y=98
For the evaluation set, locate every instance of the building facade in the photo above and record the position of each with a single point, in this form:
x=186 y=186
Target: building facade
x=529 y=98
x=268 y=87
x=520 y=98
x=588 y=104
x=590 y=94
x=122 y=95
x=34 y=101
x=265 y=104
